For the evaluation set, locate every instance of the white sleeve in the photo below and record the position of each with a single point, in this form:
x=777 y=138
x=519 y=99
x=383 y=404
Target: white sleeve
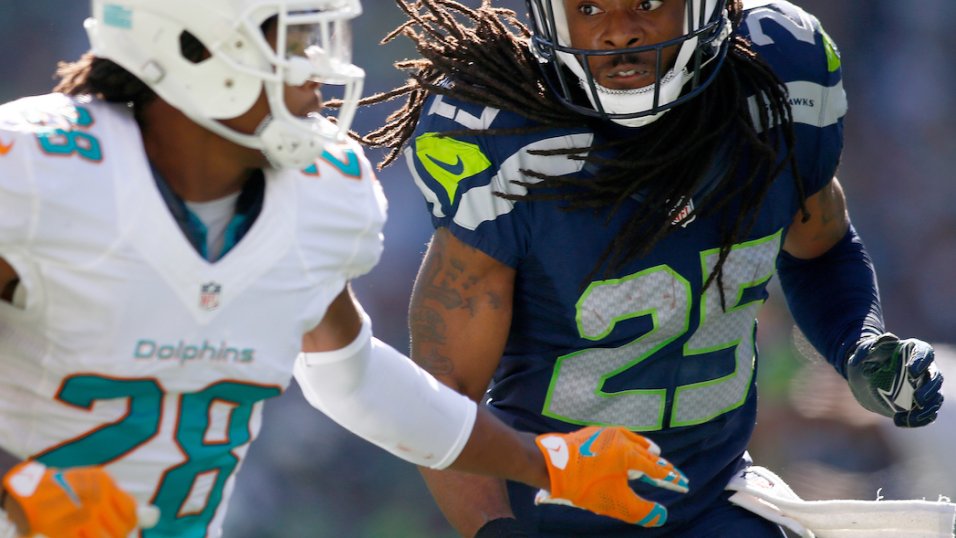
x=382 y=396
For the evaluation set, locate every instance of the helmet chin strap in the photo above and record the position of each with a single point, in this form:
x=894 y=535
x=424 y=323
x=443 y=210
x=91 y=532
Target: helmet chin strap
x=633 y=100
x=290 y=144
x=624 y=101
x=284 y=139
x=268 y=150
x=284 y=145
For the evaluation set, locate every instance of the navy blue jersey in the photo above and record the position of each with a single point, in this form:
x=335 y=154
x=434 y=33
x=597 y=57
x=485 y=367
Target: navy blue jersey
x=649 y=348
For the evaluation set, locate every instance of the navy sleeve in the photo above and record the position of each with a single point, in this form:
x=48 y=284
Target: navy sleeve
x=834 y=298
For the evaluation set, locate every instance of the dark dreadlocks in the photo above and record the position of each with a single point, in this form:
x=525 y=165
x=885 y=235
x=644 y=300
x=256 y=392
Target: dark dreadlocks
x=488 y=62
x=103 y=79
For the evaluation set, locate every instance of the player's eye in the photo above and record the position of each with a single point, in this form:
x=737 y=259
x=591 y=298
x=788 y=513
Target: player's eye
x=299 y=38
x=589 y=9
x=650 y=5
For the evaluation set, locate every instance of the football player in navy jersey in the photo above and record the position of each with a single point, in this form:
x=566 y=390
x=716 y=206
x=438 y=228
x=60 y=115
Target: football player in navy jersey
x=613 y=186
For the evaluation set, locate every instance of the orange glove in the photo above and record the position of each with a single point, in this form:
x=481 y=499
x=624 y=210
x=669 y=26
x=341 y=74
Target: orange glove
x=589 y=468
x=67 y=503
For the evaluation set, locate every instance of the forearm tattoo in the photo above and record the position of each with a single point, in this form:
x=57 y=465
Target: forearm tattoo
x=444 y=288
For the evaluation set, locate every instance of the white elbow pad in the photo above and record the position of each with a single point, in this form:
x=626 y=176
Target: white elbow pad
x=381 y=395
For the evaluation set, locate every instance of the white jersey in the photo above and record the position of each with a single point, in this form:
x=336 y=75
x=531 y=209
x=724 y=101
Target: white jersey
x=132 y=351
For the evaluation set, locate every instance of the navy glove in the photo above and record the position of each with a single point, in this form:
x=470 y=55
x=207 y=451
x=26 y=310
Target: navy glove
x=896 y=378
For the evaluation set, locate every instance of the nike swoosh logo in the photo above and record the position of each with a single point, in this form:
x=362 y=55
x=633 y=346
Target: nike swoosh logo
x=586 y=447
x=455 y=169
x=61 y=481
x=5 y=148
x=900 y=395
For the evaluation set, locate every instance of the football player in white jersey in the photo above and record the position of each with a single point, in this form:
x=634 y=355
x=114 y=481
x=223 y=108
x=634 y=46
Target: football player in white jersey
x=178 y=227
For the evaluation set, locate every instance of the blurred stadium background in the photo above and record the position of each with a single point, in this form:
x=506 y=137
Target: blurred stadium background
x=308 y=477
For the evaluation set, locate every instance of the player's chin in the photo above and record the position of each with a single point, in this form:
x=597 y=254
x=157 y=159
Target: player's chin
x=308 y=110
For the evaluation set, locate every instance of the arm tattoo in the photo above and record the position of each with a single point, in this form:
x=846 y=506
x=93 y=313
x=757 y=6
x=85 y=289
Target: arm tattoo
x=832 y=212
x=448 y=284
x=436 y=289
x=444 y=286
x=428 y=327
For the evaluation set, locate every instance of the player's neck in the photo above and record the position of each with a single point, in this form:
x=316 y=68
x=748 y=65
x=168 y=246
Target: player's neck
x=197 y=164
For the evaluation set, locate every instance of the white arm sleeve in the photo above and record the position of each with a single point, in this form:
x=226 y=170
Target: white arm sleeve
x=382 y=396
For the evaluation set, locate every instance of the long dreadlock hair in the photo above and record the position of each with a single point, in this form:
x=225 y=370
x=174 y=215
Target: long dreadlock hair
x=481 y=56
x=103 y=79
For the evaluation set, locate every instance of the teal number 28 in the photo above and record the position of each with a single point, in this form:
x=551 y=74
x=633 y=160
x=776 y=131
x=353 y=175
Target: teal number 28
x=212 y=459
x=72 y=141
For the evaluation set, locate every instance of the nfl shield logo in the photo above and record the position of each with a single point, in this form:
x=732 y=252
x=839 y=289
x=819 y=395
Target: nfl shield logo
x=679 y=214
x=209 y=296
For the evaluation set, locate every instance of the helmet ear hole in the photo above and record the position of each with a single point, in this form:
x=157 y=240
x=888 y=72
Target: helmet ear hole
x=192 y=48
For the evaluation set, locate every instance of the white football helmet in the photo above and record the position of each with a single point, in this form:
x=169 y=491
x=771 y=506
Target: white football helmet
x=313 y=44
x=706 y=28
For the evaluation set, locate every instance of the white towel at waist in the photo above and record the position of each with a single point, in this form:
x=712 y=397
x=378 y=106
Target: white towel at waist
x=765 y=494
